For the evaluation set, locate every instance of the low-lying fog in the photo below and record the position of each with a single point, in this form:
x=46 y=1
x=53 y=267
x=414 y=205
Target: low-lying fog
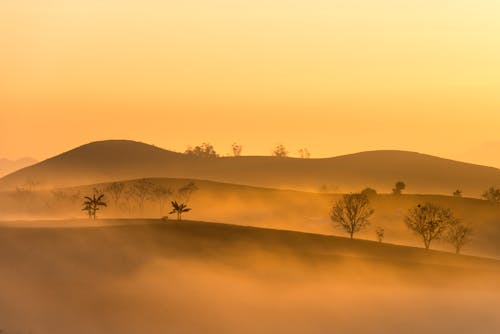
x=183 y=280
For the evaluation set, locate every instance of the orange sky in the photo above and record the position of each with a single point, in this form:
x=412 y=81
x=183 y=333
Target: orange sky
x=333 y=76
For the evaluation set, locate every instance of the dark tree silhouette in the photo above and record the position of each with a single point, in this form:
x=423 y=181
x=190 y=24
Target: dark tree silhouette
x=237 y=149
x=352 y=212
x=179 y=209
x=280 y=151
x=205 y=150
x=492 y=195
x=429 y=221
x=398 y=188
x=457 y=193
x=458 y=235
x=93 y=204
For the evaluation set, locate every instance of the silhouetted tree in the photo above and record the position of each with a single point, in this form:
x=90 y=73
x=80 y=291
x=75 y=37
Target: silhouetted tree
x=492 y=195
x=457 y=193
x=380 y=233
x=352 y=212
x=115 y=190
x=93 y=204
x=429 y=221
x=236 y=149
x=458 y=235
x=399 y=187
x=179 y=209
x=369 y=192
x=205 y=150
x=304 y=153
x=280 y=151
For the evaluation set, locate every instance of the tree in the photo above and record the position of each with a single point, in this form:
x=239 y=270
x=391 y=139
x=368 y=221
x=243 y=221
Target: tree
x=429 y=221
x=304 y=153
x=400 y=185
x=352 y=212
x=179 y=208
x=161 y=194
x=93 y=204
x=115 y=190
x=280 y=151
x=236 y=149
x=369 y=192
x=205 y=150
x=458 y=235
x=457 y=193
x=184 y=193
x=380 y=233
x=492 y=195
x=141 y=190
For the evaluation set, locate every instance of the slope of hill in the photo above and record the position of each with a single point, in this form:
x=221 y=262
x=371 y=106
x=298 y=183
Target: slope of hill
x=260 y=207
x=194 y=277
x=117 y=160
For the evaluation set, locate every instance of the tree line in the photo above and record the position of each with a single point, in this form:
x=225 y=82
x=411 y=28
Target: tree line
x=428 y=221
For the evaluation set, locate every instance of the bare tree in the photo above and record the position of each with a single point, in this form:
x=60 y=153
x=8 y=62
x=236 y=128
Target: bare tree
x=398 y=188
x=141 y=190
x=352 y=212
x=161 y=194
x=459 y=235
x=492 y=195
x=237 y=149
x=304 y=153
x=184 y=193
x=380 y=233
x=205 y=150
x=429 y=221
x=280 y=151
x=115 y=190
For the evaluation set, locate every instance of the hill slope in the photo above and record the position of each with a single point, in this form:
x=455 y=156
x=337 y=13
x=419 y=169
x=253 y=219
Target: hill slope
x=195 y=277
x=116 y=160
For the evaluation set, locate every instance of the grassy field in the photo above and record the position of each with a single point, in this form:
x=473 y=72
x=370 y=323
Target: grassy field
x=136 y=276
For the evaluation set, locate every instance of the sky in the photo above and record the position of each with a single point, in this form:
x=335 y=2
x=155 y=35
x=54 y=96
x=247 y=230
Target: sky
x=335 y=77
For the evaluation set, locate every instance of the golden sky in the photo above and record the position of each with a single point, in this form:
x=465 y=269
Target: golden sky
x=333 y=76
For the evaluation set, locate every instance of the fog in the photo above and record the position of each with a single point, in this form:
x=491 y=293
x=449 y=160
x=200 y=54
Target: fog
x=204 y=278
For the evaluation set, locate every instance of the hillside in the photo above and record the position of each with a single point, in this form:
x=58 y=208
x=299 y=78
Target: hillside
x=8 y=166
x=147 y=276
x=119 y=160
x=260 y=207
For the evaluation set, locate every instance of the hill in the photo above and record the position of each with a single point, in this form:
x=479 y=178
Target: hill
x=144 y=276
x=260 y=207
x=119 y=160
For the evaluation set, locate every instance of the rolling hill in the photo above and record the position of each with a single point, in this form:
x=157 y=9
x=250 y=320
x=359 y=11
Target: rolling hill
x=196 y=277
x=119 y=160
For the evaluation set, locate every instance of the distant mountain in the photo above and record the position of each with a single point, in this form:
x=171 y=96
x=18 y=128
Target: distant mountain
x=8 y=166
x=119 y=160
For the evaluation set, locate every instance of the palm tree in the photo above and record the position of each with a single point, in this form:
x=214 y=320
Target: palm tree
x=93 y=204
x=179 y=208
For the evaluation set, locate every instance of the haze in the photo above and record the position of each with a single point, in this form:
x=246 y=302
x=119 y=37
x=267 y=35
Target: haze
x=413 y=75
